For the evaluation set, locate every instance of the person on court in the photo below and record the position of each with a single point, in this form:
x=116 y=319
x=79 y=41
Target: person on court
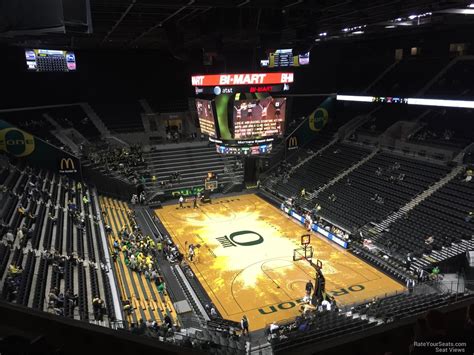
x=309 y=288
x=244 y=324
x=195 y=202
x=191 y=252
x=181 y=200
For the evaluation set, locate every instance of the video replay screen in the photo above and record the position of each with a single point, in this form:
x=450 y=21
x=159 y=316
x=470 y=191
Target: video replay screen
x=282 y=58
x=206 y=117
x=50 y=60
x=259 y=118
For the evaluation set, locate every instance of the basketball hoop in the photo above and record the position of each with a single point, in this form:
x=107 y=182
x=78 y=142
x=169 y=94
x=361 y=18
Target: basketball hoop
x=305 y=252
x=305 y=239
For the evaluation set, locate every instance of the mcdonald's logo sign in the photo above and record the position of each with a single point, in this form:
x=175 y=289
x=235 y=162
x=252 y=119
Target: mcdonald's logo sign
x=67 y=165
x=292 y=143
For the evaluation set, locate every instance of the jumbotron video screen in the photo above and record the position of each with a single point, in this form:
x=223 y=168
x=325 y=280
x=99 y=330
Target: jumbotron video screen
x=242 y=124
x=206 y=117
x=259 y=118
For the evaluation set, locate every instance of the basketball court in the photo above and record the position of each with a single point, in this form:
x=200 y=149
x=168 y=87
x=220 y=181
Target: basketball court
x=245 y=260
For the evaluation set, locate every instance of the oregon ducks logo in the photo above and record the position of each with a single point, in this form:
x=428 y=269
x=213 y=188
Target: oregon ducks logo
x=67 y=164
x=240 y=238
x=318 y=119
x=292 y=143
x=16 y=142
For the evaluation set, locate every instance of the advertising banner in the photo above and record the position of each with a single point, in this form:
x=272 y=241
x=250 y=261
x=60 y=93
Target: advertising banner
x=23 y=145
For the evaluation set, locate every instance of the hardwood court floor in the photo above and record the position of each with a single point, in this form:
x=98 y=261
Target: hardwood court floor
x=245 y=262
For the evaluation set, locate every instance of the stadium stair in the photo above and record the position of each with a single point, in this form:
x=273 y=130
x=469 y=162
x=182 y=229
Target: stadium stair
x=142 y=293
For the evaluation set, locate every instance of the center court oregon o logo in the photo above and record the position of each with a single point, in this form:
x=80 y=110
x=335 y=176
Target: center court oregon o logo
x=230 y=241
x=16 y=142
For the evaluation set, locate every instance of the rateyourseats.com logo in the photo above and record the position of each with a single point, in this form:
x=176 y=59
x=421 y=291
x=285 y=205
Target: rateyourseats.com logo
x=16 y=142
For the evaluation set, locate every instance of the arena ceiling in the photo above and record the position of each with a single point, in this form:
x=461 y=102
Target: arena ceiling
x=216 y=24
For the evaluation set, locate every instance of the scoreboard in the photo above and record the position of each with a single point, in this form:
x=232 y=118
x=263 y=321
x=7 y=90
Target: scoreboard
x=242 y=118
x=283 y=58
x=49 y=60
x=217 y=90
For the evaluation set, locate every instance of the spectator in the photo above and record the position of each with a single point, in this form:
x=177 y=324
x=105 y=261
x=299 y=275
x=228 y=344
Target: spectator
x=168 y=321
x=213 y=312
x=10 y=238
x=161 y=288
x=98 y=306
x=274 y=327
x=326 y=305
x=469 y=216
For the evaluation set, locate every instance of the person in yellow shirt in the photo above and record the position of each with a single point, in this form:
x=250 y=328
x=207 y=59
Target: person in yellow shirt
x=125 y=250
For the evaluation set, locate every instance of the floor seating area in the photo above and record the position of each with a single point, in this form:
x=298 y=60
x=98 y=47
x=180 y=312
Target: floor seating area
x=60 y=258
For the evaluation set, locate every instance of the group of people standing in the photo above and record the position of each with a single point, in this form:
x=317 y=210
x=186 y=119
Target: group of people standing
x=196 y=198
